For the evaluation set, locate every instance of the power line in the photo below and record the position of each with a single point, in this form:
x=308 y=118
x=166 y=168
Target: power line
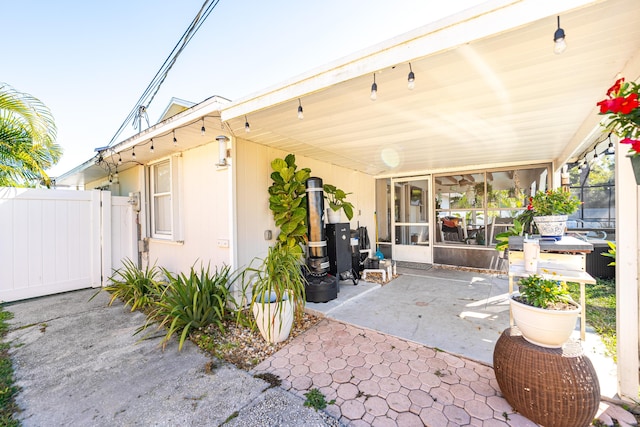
x=152 y=89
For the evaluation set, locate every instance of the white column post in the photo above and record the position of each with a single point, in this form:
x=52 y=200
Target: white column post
x=627 y=262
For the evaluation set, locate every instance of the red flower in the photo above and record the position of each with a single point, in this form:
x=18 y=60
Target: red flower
x=613 y=90
x=610 y=105
x=629 y=103
x=635 y=144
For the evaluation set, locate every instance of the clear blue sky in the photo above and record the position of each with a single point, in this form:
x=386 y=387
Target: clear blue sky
x=90 y=61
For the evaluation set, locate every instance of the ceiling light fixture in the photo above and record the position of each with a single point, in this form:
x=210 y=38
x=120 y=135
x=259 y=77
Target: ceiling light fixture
x=300 y=112
x=175 y=141
x=203 y=131
x=247 y=128
x=374 y=89
x=411 y=79
x=560 y=45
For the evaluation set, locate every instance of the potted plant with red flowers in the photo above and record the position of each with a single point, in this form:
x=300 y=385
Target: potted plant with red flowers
x=622 y=108
x=551 y=209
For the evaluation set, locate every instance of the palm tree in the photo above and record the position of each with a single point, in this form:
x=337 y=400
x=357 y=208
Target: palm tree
x=27 y=139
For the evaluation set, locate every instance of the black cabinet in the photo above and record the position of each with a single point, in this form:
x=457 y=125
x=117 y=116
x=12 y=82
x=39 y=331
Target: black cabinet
x=339 y=247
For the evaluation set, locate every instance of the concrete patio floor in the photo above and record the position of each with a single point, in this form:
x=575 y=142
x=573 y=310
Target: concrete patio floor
x=416 y=351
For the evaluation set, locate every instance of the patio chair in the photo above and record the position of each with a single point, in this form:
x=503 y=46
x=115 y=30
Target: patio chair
x=452 y=229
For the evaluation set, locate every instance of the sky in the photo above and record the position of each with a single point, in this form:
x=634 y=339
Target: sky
x=90 y=61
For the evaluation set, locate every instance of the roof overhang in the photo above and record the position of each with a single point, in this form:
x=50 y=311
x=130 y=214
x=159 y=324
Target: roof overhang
x=489 y=91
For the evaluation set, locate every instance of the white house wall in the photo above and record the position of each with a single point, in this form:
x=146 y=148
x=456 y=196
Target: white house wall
x=253 y=164
x=205 y=215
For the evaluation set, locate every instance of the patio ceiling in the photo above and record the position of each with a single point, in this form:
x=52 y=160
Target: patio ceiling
x=489 y=92
x=496 y=99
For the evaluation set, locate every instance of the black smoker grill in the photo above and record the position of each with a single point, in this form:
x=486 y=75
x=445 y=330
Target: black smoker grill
x=321 y=286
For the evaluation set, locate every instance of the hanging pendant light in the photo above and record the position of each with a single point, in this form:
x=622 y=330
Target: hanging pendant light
x=300 y=111
x=411 y=79
x=203 y=131
x=560 y=45
x=247 y=128
x=152 y=148
x=374 y=89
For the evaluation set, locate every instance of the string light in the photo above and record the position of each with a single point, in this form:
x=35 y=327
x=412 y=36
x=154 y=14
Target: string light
x=374 y=89
x=133 y=152
x=203 y=131
x=119 y=158
x=611 y=148
x=560 y=45
x=411 y=79
x=152 y=148
x=300 y=111
x=175 y=141
x=247 y=128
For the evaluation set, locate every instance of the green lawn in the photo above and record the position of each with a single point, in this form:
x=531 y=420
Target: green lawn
x=8 y=390
x=601 y=310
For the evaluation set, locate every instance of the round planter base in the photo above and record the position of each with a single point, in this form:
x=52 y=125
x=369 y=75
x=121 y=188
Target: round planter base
x=553 y=387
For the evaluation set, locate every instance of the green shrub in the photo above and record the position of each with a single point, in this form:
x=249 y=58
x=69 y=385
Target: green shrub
x=193 y=302
x=135 y=287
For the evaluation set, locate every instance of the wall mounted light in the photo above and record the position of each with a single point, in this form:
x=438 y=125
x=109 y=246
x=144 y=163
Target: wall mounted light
x=203 y=131
x=247 y=128
x=560 y=45
x=300 y=112
x=411 y=79
x=222 y=150
x=374 y=89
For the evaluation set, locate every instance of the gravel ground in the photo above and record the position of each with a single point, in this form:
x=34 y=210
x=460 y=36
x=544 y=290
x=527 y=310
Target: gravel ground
x=243 y=346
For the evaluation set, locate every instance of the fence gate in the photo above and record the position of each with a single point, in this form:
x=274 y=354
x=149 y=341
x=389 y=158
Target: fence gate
x=55 y=241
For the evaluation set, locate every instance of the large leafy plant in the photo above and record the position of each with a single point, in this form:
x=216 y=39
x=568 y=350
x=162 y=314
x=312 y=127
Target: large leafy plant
x=337 y=199
x=287 y=201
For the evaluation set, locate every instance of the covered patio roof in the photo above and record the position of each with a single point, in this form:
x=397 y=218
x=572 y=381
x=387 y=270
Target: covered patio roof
x=488 y=91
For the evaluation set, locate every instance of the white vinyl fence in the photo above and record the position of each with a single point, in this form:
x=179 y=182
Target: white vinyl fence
x=55 y=241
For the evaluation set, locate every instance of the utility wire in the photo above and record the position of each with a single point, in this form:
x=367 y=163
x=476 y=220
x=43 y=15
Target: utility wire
x=152 y=89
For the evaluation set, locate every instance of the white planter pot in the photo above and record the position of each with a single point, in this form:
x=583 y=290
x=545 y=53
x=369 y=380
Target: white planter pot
x=546 y=328
x=551 y=226
x=333 y=217
x=274 y=320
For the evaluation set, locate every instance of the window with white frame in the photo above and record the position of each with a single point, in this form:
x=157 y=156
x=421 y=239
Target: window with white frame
x=164 y=199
